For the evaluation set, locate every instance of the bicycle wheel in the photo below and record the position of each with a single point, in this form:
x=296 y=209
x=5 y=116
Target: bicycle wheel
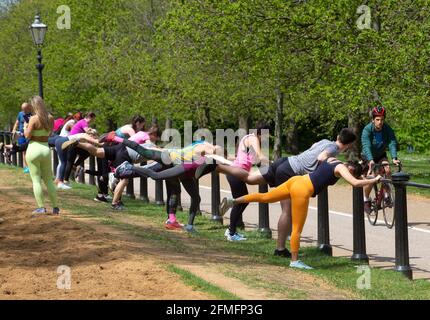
x=373 y=215
x=388 y=205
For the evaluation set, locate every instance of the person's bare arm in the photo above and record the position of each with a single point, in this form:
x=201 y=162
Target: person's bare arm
x=254 y=143
x=342 y=170
x=29 y=130
x=15 y=126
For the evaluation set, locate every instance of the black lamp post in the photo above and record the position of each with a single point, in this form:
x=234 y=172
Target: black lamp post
x=38 y=31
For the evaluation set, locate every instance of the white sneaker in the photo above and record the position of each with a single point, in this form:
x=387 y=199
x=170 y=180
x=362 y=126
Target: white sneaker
x=226 y=204
x=62 y=186
x=236 y=237
x=300 y=265
x=112 y=181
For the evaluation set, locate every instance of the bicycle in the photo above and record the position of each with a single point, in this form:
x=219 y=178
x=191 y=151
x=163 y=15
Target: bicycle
x=382 y=198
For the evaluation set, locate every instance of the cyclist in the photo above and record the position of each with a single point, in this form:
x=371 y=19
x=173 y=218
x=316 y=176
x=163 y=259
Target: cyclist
x=376 y=137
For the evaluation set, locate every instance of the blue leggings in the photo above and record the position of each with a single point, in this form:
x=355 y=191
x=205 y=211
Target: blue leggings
x=62 y=155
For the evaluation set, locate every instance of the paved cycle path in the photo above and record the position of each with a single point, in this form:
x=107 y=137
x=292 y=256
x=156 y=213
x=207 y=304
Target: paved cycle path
x=379 y=239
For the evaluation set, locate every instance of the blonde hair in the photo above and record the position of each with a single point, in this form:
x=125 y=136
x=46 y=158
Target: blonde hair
x=40 y=111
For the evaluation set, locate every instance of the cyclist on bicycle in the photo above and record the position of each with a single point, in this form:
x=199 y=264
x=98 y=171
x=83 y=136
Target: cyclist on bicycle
x=375 y=139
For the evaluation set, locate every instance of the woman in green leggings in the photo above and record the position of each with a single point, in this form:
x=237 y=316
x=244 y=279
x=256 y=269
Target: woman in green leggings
x=39 y=156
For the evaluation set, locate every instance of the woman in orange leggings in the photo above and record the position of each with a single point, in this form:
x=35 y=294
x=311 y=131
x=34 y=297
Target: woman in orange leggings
x=299 y=189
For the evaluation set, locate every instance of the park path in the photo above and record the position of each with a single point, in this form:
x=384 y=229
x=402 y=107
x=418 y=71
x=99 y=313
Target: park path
x=379 y=239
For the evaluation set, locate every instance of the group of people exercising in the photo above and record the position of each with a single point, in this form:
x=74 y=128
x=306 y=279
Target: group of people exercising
x=294 y=179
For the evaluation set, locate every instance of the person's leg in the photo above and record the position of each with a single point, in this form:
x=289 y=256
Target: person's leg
x=173 y=192
x=192 y=188
x=173 y=172
x=71 y=156
x=62 y=156
x=241 y=174
x=118 y=191
x=92 y=150
x=238 y=189
x=149 y=154
x=46 y=173
x=299 y=206
x=33 y=162
x=274 y=195
x=103 y=178
x=284 y=225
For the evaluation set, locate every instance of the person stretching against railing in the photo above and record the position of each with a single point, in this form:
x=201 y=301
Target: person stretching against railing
x=299 y=189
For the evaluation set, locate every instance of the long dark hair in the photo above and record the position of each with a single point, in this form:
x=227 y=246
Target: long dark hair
x=135 y=120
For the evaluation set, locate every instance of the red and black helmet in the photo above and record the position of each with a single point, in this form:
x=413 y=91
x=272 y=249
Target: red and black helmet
x=378 y=111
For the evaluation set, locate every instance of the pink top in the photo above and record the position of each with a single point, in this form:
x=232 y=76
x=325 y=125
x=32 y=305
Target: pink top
x=139 y=137
x=243 y=159
x=79 y=127
x=58 y=123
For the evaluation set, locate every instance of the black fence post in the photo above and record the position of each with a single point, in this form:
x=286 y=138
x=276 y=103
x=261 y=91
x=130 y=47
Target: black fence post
x=20 y=159
x=2 y=140
x=81 y=177
x=143 y=187
x=263 y=214
x=7 y=140
x=323 y=223
x=130 y=189
x=215 y=195
x=159 y=199
x=14 y=159
x=91 y=179
x=358 y=228
x=401 y=217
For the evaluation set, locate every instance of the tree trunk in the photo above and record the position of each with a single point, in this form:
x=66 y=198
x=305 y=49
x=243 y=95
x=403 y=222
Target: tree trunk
x=168 y=123
x=277 y=149
x=244 y=122
x=354 y=123
x=292 y=138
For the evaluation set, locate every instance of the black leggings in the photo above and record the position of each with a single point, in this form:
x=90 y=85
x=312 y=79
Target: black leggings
x=238 y=189
x=103 y=178
x=71 y=157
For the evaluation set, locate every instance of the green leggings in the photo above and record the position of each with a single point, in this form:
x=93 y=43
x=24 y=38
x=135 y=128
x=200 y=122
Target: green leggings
x=38 y=158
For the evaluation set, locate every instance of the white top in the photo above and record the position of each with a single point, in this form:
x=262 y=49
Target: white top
x=64 y=132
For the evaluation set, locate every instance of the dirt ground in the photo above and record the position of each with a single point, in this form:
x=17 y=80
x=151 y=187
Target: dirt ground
x=109 y=263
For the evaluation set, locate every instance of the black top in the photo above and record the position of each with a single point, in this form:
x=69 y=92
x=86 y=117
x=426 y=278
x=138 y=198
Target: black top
x=323 y=176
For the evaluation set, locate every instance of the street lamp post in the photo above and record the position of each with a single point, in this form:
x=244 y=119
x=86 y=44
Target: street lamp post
x=38 y=31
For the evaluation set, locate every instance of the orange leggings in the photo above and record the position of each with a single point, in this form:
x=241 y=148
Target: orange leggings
x=299 y=189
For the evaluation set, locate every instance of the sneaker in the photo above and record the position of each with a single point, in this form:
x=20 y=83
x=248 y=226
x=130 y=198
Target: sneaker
x=235 y=237
x=107 y=197
x=117 y=207
x=100 y=199
x=39 y=211
x=173 y=225
x=368 y=206
x=227 y=233
x=189 y=228
x=112 y=181
x=56 y=211
x=282 y=253
x=300 y=265
x=78 y=172
x=63 y=186
x=226 y=204
x=204 y=168
x=26 y=170
x=69 y=143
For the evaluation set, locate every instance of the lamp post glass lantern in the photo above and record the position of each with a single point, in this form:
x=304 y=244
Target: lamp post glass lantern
x=38 y=31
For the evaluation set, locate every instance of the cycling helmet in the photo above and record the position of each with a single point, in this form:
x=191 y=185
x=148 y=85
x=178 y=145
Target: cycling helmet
x=378 y=111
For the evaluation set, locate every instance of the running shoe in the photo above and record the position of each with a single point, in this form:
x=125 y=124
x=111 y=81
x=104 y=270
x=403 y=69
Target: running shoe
x=63 y=186
x=107 y=197
x=235 y=237
x=56 y=211
x=38 y=211
x=204 y=168
x=100 y=199
x=368 y=206
x=26 y=170
x=69 y=143
x=189 y=228
x=227 y=233
x=173 y=225
x=282 y=253
x=300 y=265
x=117 y=207
x=112 y=181
x=226 y=204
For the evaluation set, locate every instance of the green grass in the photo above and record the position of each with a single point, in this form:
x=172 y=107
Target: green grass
x=340 y=272
x=201 y=285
